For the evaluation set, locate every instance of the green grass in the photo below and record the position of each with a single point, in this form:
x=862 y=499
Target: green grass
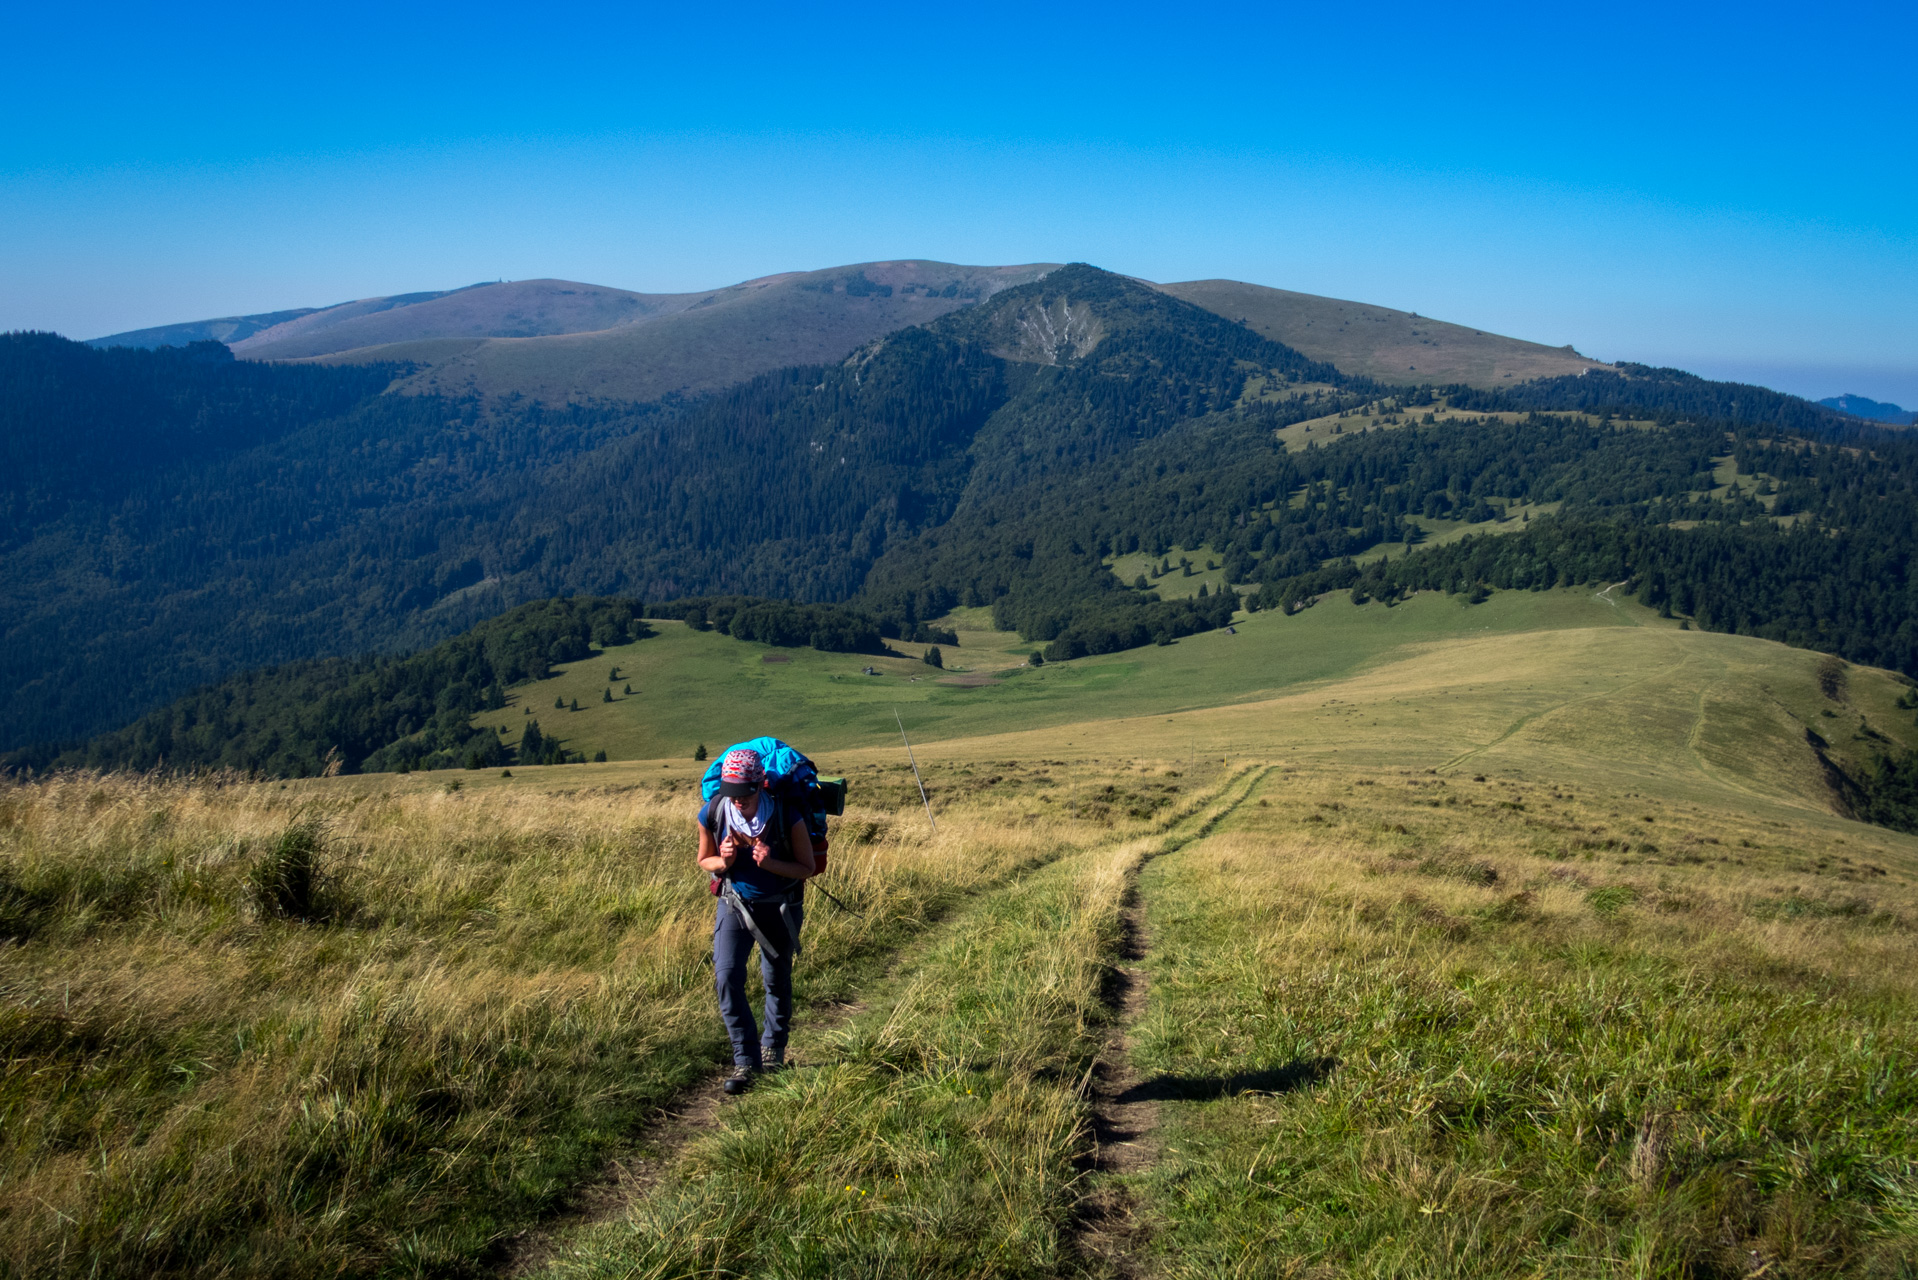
x=1439 y=533
x=1398 y=1042
x=1182 y=582
x=691 y=687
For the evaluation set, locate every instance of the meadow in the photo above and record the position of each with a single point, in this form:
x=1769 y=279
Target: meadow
x=1513 y=939
x=1395 y=1031
x=690 y=687
x=254 y=1029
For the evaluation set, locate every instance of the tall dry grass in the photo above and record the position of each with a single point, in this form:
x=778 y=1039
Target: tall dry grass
x=1493 y=1036
x=213 y=1070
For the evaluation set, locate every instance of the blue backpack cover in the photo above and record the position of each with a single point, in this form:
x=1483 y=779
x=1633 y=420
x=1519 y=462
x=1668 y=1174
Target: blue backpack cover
x=790 y=777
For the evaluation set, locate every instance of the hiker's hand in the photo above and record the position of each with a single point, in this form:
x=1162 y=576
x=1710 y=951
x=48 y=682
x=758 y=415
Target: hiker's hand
x=729 y=850
x=761 y=853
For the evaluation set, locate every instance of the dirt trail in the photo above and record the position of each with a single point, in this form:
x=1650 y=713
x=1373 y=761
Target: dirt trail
x=1108 y=1230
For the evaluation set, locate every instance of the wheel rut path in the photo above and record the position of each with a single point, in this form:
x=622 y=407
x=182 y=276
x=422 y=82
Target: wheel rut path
x=1110 y=1230
x=650 y=1154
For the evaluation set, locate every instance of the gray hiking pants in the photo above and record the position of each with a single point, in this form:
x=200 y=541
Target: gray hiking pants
x=732 y=949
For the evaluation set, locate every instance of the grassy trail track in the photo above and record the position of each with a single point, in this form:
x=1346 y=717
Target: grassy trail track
x=946 y=1133
x=1540 y=821
x=642 y=1164
x=1109 y=1229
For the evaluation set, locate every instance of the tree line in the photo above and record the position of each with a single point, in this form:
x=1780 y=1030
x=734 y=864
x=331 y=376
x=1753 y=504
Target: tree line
x=367 y=714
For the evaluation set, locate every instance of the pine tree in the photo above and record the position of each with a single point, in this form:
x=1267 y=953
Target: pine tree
x=575 y=706
x=700 y=752
x=1036 y=660
x=559 y=704
x=599 y=757
x=607 y=696
x=629 y=690
x=933 y=658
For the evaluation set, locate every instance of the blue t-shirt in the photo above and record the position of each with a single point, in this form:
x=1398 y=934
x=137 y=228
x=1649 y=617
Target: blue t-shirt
x=748 y=877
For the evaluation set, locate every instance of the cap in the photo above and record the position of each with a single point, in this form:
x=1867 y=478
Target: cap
x=741 y=774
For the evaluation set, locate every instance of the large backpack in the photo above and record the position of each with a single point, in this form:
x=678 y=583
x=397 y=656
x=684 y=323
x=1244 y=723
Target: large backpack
x=793 y=782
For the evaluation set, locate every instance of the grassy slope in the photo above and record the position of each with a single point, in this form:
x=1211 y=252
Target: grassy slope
x=1403 y=1025
x=691 y=687
x=1569 y=677
x=523 y=308
x=1378 y=342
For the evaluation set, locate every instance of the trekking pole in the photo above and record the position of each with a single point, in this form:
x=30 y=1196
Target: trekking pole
x=842 y=906
x=915 y=770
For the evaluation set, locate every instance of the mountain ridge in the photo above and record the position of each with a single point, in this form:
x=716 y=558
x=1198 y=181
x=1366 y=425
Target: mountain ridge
x=560 y=340
x=1380 y=342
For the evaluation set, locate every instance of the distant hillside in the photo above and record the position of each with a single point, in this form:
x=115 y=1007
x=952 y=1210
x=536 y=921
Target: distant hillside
x=510 y=309
x=1378 y=342
x=693 y=343
x=1872 y=410
x=226 y=329
x=560 y=341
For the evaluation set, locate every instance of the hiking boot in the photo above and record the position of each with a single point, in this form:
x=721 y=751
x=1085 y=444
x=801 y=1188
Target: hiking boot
x=775 y=1060
x=740 y=1080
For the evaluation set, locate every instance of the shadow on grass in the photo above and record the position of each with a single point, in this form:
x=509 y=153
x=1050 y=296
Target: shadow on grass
x=1300 y=1074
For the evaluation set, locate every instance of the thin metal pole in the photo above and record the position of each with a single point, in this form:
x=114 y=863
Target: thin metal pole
x=915 y=769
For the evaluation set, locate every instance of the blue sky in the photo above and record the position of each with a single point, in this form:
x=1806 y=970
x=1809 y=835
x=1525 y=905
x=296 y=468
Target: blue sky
x=1732 y=189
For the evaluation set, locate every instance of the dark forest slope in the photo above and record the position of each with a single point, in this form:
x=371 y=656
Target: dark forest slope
x=382 y=520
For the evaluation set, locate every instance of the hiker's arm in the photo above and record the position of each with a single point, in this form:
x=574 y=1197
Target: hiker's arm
x=711 y=857
x=801 y=864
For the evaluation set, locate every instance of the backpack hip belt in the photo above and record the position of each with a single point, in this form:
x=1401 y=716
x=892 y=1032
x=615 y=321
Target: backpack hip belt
x=730 y=896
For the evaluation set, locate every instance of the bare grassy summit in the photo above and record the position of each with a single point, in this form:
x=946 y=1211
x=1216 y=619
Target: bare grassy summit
x=1379 y=342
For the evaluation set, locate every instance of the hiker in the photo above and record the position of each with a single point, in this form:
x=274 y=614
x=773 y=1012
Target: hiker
x=759 y=856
